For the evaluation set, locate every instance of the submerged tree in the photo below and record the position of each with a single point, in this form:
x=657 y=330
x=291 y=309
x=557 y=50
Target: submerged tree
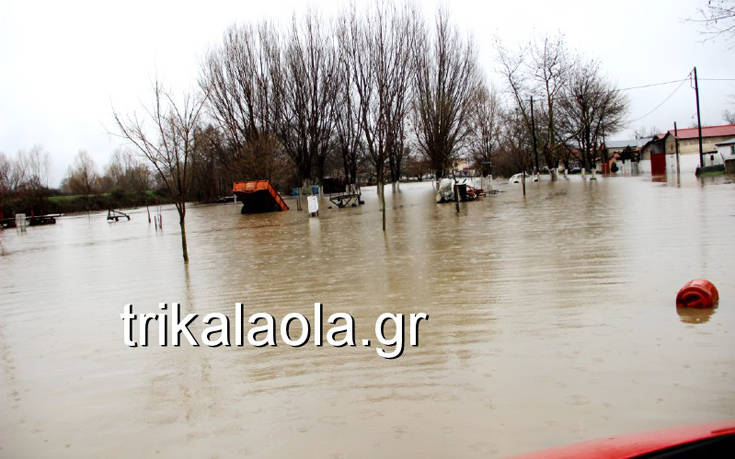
x=486 y=129
x=347 y=133
x=379 y=47
x=540 y=69
x=590 y=108
x=166 y=138
x=447 y=81
x=306 y=89
x=514 y=152
x=238 y=76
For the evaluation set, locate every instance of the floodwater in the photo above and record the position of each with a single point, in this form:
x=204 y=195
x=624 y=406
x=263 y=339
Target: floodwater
x=551 y=320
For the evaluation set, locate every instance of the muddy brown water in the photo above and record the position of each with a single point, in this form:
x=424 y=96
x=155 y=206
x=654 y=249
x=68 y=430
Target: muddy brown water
x=552 y=320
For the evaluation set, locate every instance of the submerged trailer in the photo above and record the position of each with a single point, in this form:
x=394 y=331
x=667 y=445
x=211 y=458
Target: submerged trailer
x=258 y=196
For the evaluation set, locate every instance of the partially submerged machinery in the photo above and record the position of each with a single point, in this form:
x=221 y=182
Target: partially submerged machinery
x=258 y=196
x=115 y=215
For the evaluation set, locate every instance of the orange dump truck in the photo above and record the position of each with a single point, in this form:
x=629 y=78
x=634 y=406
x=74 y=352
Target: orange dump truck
x=258 y=196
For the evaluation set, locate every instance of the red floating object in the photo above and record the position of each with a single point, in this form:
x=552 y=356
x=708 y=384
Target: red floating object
x=698 y=293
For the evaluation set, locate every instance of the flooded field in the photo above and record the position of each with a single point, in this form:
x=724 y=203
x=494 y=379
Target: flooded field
x=552 y=320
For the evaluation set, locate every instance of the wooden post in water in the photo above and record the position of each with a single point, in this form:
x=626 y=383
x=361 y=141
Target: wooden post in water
x=523 y=182
x=456 y=196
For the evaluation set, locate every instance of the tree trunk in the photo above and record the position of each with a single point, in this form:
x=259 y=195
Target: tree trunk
x=346 y=166
x=382 y=199
x=381 y=193
x=182 y=224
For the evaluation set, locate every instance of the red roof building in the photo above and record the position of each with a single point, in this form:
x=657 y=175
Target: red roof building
x=687 y=140
x=725 y=130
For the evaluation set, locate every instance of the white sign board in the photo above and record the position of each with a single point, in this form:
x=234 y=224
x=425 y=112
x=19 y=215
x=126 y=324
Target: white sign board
x=313 y=204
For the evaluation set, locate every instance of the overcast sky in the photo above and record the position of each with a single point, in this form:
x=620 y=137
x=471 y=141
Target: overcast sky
x=65 y=64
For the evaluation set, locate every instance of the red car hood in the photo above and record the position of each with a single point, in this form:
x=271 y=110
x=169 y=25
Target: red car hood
x=633 y=445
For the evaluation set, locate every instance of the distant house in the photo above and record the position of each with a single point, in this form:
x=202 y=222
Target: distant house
x=726 y=151
x=622 y=154
x=618 y=146
x=688 y=139
x=658 y=155
x=653 y=155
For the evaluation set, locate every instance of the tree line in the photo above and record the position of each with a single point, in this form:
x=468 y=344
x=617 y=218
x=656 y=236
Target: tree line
x=375 y=93
x=378 y=89
x=371 y=95
x=125 y=181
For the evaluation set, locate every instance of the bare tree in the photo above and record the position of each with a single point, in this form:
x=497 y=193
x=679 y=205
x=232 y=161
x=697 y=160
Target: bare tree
x=238 y=76
x=398 y=152
x=81 y=177
x=306 y=91
x=539 y=69
x=29 y=170
x=513 y=70
x=717 y=18
x=447 y=81
x=647 y=132
x=551 y=69
x=211 y=178
x=5 y=171
x=16 y=173
x=590 y=109
x=486 y=129
x=379 y=44
x=167 y=143
x=514 y=151
x=39 y=164
x=347 y=121
x=126 y=173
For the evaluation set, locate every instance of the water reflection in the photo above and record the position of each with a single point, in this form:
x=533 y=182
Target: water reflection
x=695 y=315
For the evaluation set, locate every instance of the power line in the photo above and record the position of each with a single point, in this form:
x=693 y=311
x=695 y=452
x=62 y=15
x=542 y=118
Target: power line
x=664 y=83
x=681 y=82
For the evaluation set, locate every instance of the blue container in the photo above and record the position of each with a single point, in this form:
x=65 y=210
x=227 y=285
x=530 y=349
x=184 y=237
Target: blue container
x=314 y=190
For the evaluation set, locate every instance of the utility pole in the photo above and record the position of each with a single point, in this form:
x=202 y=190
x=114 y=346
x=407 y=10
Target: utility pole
x=676 y=141
x=699 y=122
x=533 y=133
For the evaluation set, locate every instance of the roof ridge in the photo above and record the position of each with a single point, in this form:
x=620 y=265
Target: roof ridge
x=704 y=127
